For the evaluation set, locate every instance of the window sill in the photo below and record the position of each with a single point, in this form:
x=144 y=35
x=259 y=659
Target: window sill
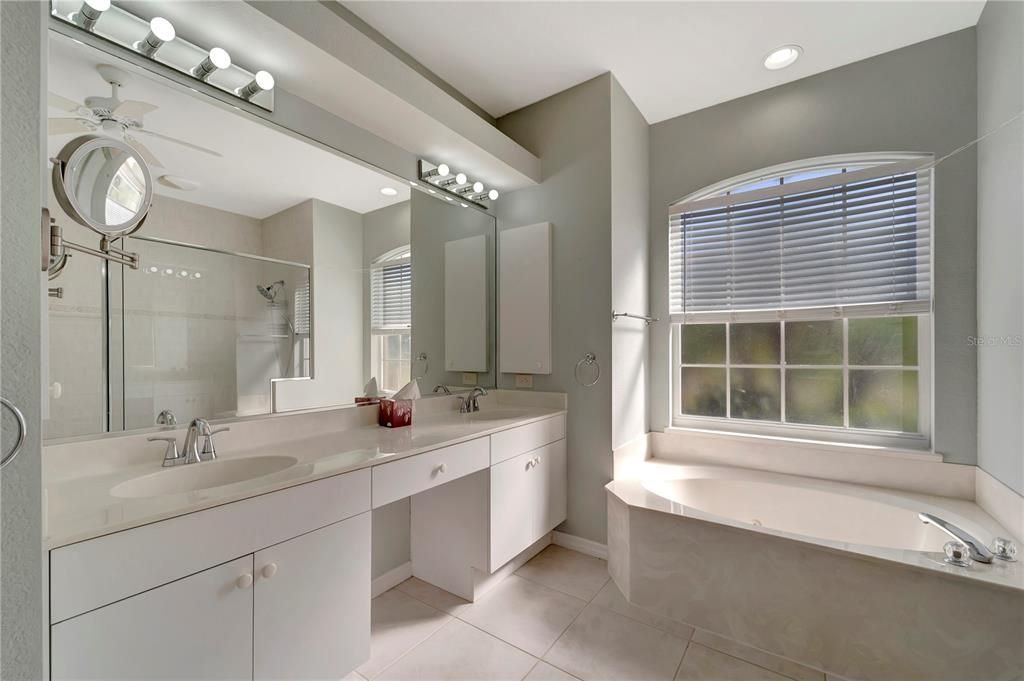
x=923 y=454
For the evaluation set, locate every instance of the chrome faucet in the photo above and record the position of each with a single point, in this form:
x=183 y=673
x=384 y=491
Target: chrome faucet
x=977 y=550
x=469 y=403
x=442 y=388
x=190 y=451
x=166 y=418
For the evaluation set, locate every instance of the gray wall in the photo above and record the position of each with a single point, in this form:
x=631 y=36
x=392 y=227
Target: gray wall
x=920 y=98
x=630 y=267
x=570 y=133
x=1001 y=243
x=23 y=73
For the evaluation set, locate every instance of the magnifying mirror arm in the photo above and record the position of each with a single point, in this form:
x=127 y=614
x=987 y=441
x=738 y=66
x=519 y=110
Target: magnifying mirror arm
x=58 y=245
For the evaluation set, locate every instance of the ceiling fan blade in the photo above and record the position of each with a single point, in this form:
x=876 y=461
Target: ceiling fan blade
x=144 y=151
x=178 y=141
x=62 y=103
x=133 y=108
x=68 y=126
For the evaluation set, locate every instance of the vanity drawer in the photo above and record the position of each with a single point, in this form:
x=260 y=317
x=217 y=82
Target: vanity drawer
x=515 y=441
x=99 y=571
x=400 y=479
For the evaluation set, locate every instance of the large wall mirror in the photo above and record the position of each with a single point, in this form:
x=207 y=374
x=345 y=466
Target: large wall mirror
x=274 y=274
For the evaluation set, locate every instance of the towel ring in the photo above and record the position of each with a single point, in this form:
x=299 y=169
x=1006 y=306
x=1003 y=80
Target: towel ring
x=22 y=429
x=589 y=359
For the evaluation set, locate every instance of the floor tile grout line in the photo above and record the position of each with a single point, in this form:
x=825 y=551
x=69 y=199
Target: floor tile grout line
x=414 y=646
x=755 y=664
x=679 y=666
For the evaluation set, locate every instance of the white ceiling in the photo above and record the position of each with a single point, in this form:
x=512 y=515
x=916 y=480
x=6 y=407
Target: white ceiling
x=262 y=170
x=671 y=57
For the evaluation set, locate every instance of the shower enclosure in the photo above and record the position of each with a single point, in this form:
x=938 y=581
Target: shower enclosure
x=194 y=331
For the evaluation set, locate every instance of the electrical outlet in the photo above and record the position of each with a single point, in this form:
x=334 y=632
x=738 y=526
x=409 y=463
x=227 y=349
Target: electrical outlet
x=524 y=380
x=468 y=378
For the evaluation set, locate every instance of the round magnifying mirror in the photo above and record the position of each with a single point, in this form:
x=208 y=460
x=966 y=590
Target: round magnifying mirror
x=104 y=184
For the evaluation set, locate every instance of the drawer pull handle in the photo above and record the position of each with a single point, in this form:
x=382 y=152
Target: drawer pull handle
x=244 y=581
x=441 y=469
x=269 y=570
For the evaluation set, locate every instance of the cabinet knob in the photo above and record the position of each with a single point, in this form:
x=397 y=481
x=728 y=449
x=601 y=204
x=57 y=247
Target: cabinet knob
x=244 y=581
x=442 y=468
x=269 y=570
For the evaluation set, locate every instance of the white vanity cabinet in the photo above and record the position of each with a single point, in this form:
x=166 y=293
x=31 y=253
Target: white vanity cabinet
x=311 y=618
x=296 y=605
x=465 y=532
x=199 y=627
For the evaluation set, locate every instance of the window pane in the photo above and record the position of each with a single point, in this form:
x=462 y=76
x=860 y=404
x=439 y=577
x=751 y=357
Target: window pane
x=886 y=341
x=756 y=394
x=703 y=391
x=394 y=347
x=814 y=343
x=814 y=396
x=703 y=344
x=883 y=399
x=754 y=343
x=406 y=346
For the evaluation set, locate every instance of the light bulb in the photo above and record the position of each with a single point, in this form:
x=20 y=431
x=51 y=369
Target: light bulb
x=389 y=191
x=493 y=195
x=478 y=187
x=261 y=82
x=160 y=31
x=443 y=170
x=461 y=178
x=782 y=57
x=217 y=59
x=90 y=13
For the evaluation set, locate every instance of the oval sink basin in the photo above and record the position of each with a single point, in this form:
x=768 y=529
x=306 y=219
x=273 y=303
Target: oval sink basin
x=200 y=476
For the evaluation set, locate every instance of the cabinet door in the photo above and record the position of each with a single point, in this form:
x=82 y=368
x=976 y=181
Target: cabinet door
x=552 y=483
x=312 y=604
x=199 y=627
x=513 y=498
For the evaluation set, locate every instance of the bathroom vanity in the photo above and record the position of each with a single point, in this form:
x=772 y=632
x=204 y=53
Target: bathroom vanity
x=257 y=565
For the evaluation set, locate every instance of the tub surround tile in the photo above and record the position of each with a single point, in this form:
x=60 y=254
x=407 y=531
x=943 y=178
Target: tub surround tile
x=602 y=645
x=787 y=668
x=840 y=612
x=567 y=571
x=398 y=623
x=460 y=652
x=545 y=672
x=1000 y=502
x=704 y=664
x=526 y=614
x=611 y=598
x=433 y=596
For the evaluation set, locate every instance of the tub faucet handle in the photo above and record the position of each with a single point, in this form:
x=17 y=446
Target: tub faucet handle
x=1004 y=549
x=957 y=553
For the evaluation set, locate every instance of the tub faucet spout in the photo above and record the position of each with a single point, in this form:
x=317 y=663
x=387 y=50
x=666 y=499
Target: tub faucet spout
x=978 y=551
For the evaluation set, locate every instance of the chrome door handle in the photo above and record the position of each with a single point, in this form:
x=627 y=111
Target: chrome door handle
x=22 y=431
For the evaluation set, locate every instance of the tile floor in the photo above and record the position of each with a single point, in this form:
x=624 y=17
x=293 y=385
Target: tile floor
x=558 y=618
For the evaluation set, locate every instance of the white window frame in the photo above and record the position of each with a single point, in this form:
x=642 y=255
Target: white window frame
x=828 y=434
x=379 y=336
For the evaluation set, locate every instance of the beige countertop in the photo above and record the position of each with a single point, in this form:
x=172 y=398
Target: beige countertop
x=79 y=505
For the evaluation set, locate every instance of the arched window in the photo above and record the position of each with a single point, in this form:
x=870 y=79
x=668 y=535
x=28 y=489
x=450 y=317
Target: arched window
x=391 y=318
x=800 y=298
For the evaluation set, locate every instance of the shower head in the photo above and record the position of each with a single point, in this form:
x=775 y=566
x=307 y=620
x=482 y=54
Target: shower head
x=270 y=291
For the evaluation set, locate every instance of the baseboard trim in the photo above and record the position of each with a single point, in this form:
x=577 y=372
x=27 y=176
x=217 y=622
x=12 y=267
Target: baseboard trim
x=587 y=546
x=390 y=579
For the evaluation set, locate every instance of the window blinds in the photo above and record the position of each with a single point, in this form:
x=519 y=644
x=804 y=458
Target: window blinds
x=391 y=295
x=854 y=243
x=302 y=310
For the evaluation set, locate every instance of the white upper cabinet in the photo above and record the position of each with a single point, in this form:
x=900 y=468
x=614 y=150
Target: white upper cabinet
x=312 y=604
x=199 y=627
x=524 y=299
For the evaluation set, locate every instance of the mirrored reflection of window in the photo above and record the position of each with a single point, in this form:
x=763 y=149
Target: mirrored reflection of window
x=391 y=319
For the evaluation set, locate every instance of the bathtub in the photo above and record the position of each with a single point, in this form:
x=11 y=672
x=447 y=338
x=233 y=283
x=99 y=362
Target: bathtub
x=840 y=577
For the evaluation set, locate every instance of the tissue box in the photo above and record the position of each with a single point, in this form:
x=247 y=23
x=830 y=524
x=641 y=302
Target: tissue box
x=395 y=413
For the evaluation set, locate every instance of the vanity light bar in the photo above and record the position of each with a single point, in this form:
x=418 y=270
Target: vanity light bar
x=439 y=177
x=157 y=40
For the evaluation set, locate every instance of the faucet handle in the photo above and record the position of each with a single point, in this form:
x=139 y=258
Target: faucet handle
x=172 y=456
x=1004 y=549
x=208 y=447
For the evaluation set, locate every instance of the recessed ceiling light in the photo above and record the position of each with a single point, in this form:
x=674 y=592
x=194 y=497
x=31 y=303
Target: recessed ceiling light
x=782 y=57
x=448 y=198
x=389 y=191
x=431 y=191
x=413 y=184
x=464 y=205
